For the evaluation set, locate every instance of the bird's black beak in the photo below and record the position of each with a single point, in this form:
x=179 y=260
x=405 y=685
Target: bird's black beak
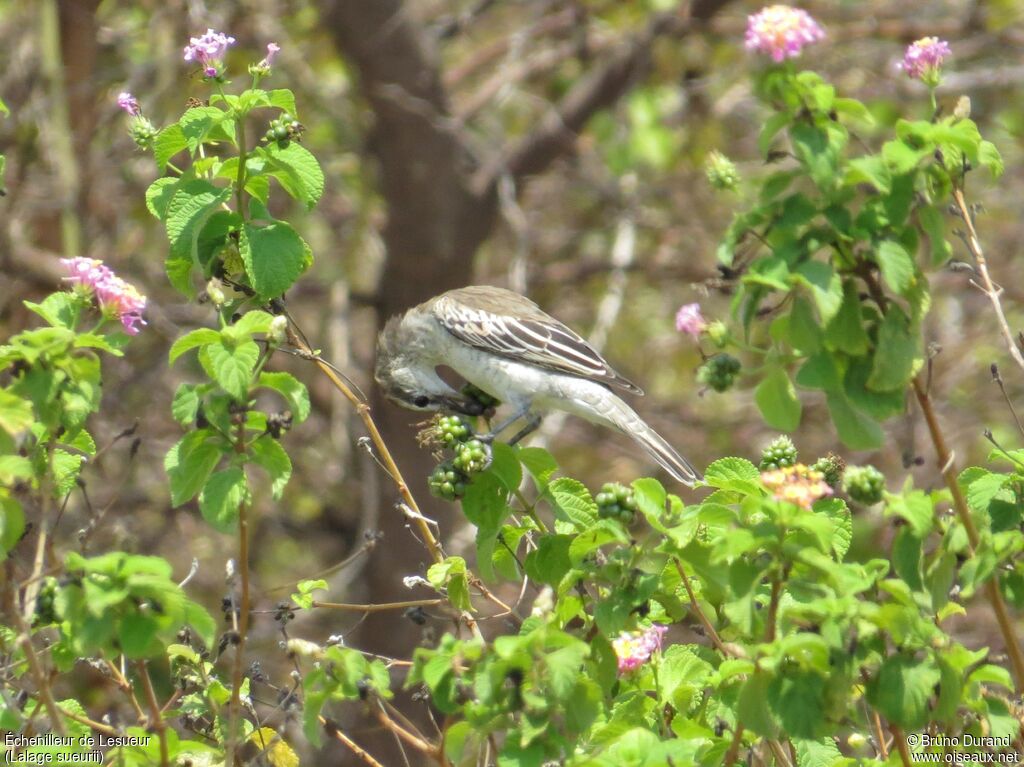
x=463 y=405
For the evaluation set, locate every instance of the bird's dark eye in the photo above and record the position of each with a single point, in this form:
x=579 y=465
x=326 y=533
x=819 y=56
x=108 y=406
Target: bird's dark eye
x=421 y=401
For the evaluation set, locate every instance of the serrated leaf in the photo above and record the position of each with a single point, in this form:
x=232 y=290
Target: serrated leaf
x=857 y=430
x=192 y=340
x=736 y=474
x=15 y=413
x=294 y=392
x=897 y=353
x=776 y=399
x=185 y=405
x=934 y=226
x=191 y=206
x=901 y=688
x=268 y=453
x=188 y=464
x=159 y=194
x=202 y=124
x=297 y=170
x=825 y=285
x=231 y=365
x=572 y=502
x=846 y=331
x=168 y=142
x=896 y=265
x=221 y=497
x=274 y=257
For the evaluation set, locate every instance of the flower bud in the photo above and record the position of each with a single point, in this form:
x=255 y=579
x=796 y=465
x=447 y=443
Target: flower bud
x=278 y=332
x=721 y=171
x=215 y=292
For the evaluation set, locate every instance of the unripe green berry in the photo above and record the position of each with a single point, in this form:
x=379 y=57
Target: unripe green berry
x=832 y=468
x=446 y=482
x=780 y=453
x=478 y=395
x=616 y=501
x=719 y=372
x=864 y=484
x=721 y=171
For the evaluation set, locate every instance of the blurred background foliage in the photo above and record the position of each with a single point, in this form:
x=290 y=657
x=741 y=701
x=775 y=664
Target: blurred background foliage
x=552 y=146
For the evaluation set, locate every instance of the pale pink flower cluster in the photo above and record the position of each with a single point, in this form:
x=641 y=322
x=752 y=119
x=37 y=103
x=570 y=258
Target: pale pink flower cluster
x=272 y=50
x=634 y=648
x=689 y=320
x=781 y=32
x=209 y=51
x=129 y=103
x=924 y=57
x=116 y=297
x=797 y=484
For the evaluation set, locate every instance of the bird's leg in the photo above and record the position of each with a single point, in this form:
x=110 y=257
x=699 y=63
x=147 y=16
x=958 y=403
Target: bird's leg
x=520 y=412
x=528 y=429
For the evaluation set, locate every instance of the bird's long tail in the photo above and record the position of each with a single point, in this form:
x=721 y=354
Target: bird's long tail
x=626 y=420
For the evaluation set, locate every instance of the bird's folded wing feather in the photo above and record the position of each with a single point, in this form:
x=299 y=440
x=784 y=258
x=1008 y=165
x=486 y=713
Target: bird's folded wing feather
x=507 y=324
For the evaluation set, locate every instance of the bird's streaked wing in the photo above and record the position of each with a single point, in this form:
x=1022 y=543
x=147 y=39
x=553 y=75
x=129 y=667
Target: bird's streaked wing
x=507 y=324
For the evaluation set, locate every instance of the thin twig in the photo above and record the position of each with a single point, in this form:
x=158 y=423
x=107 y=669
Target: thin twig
x=156 y=719
x=377 y=608
x=712 y=634
x=36 y=670
x=356 y=749
x=974 y=245
x=900 y=740
x=734 y=746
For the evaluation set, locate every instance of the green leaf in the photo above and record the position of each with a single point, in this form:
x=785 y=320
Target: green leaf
x=189 y=463
x=185 y=405
x=283 y=99
x=816 y=753
x=540 y=463
x=268 y=453
x=736 y=474
x=815 y=148
x=505 y=466
x=776 y=398
x=221 y=497
x=825 y=285
x=820 y=372
x=14 y=468
x=192 y=205
x=231 y=365
x=989 y=157
x=168 y=142
x=770 y=130
x=856 y=430
x=297 y=170
x=549 y=562
x=896 y=265
x=304 y=597
x=869 y=170
x=934 y=226
x=572 y=502
x=294 y=392
x=12 y=524
x=15 y=413
x=846 y=331
x=159 y=194
x=66 y=468
x=897 y=353
x=901 y=688
x=59 y=309
x=201 y=125
x=274 y=257
x=192 y=340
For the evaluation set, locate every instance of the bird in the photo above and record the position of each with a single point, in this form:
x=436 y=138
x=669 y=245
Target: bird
x=505 y=345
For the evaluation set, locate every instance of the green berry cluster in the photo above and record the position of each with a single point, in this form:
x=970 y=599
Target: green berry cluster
x=143 y=132
x=446 y=482
x=283 y=129
x=779 y=454
x=471 y=457
x=831 y=468
x=449 y=479
x=721 y=172
x=864 y=484
x=616 y=501
x=478 y=395
x=453 y=429
x=719 y=372
x=45 y=612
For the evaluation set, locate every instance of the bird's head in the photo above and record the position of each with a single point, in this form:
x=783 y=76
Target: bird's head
x=409 y=378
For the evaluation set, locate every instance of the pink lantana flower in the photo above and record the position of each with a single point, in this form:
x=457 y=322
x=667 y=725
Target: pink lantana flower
x=923 y=59
x=634 y=648
x=129 y=103
x=689 y=320
x=797 y=484
x=209 y=51
x=781 y=32
x=117 y=299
